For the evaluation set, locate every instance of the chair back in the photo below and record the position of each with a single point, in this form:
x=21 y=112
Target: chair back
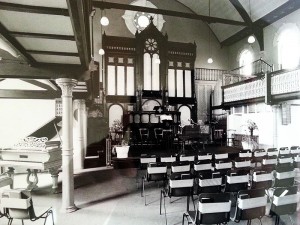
x=158 y=133
x=284 y=151
x=223 y=164
x=237 y=180
x=284 y=200
x=209 y=182
x=203 y=165
x=245 y=154
x=213 y=208
x=221 y=156
x=180 y=167
x=145 y=159
x=262 y=179
x=285 y=159
x=242 y=162
x=295 y=150
x=259 y=153
x=205 y=156
x=180 y=185
x=251 y=204
x=190 y=158
x=272 y=151
x=284 y=176
x=18 y=204
x=269 y=161
x=144 y=133
x=156 y=171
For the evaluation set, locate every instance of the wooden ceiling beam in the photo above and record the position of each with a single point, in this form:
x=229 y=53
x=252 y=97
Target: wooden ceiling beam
x=79 y=13
x=4 y=33
x=38 y=83
x=33 y=9
x=44 y=36
x=243 y=13
x=29 y=94
x=53 y=53
x=110 y=5
x=277 y=14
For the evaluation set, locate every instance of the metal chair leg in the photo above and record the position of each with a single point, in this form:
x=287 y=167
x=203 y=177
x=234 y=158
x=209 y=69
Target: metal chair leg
x=160 y=200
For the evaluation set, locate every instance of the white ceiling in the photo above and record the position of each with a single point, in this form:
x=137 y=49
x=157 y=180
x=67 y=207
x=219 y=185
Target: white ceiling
x=69 y=49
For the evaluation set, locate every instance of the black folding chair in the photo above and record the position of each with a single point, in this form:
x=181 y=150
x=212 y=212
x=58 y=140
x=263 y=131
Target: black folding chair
x=213 y=208
x=284 y=202
x=251 y=204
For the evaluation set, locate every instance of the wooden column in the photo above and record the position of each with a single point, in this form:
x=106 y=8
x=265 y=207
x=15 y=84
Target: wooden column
x=67 y=85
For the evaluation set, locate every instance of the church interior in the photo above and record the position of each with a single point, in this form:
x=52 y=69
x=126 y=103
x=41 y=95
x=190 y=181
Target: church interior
x=110 y=107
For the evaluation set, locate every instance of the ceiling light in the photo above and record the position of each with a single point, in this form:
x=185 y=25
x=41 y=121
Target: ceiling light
x=251 y=39
x=104 y=21
x=101 y=51
x=210 y=60
x=143 y=21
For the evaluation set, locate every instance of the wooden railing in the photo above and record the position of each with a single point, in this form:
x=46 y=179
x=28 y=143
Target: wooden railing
x=281 y=82
x=258 y=67
x=208 y=74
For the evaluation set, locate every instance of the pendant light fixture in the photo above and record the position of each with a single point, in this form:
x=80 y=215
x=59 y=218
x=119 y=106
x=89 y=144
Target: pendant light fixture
x=104 y=21
x=209 y=60
x=251 y=38
x=92 y=65
x=101 y=50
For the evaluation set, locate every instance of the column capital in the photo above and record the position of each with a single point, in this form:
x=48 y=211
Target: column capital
x=66 y=85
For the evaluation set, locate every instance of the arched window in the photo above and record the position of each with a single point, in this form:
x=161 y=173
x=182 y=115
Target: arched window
x=289 y=47
x=245 y=60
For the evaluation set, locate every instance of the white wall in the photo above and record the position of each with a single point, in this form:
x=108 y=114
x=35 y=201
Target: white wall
x=270 y=51
x=271 y=132
x=20 y=117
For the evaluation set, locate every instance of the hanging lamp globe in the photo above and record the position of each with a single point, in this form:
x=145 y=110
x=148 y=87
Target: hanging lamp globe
x=251 y=39
x=210 y=60
x=101 y=51
x=104 y=21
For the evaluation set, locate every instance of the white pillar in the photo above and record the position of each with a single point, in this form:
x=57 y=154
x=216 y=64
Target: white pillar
x=67 y=85
x=79 y=142
x=276 y=118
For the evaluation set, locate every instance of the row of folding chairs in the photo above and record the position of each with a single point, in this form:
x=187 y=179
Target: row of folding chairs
x=214 y=208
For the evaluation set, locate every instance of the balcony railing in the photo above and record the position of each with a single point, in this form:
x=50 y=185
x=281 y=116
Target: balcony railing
x=208 y=74
x=283 y=82
x=258 y=67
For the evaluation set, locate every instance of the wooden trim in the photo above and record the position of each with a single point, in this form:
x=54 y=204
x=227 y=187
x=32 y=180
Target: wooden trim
x=45 y=36
x=53 y=53
x=79 y=14
x=277 y=14
x=16 y=45
x=110 y=5
x=33 y=9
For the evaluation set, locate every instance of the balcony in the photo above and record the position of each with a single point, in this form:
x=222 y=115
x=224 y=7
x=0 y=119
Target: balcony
x=270 y=88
